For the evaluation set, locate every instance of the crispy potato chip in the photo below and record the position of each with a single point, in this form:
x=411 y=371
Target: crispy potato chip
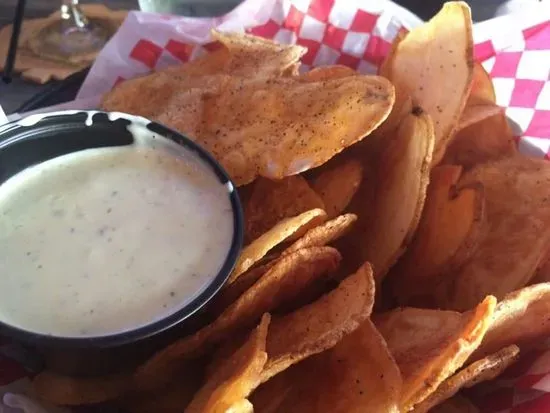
x=272 y=201
x=338 y=184
x=320 y=325
x=319 y=74
x=434 y=64
x=517 y=237
x=487 y=140
x=521 y=318
x=389 y=204
x=286 y=230
x=430 y=345
x=449 y=229
x=255 y=56
x=476 y=113
x=236 y=378
x=357 y=375
x=230 y=292
x=72 y=391
x=286 y=280
x=324 y=234
x=482 y=89
x=483 y=370
x=457 y=404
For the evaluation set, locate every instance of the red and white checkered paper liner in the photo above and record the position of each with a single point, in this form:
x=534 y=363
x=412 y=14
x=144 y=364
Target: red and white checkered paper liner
x=514 y=49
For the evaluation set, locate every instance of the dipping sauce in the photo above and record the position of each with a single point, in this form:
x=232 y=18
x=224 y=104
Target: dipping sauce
x=103 y=241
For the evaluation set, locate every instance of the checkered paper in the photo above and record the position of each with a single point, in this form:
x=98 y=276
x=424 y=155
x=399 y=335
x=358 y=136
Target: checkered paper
x=514 y=49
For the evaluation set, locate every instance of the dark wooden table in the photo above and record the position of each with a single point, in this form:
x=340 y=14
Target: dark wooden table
x=19 y=91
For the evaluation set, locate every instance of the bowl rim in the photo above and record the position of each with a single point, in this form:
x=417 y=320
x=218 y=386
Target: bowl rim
x=9 y=135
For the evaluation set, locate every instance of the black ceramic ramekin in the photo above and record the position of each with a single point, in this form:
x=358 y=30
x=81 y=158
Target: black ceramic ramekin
x=38 y=138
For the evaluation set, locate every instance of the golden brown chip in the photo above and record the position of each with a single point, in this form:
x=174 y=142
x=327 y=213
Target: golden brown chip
x=283 y=283
x=487 y=140
x=273 y=201
x=517 y=237
x=430 y=345
x=476 y=113
x=482 y=89
x=255 y=56
x=389 y=203
x=457 y=404
x=287 y=230
x=357 y=375
x=449 y=229
x=483 y=370
x=71 y=391
x=521 y=318
x=319 y=74
x=324 y=234
x=338 y=184
x=229 y=386
x=320 y=325
x=434 y=64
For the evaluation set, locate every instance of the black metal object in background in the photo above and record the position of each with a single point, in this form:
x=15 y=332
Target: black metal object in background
x=14 y=40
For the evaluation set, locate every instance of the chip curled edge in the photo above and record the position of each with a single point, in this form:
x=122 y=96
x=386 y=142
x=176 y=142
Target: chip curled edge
x=357 y=375
x=288 y=229
x=288 y=279
x=430 y=345
x=320 y=325
x=482 y=370
x=434 y=64
x=227 y=388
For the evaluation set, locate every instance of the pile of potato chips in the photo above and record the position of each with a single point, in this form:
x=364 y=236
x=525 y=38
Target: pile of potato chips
x=396 y=242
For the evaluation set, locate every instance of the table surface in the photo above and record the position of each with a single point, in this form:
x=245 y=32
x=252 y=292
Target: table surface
x=19 y=91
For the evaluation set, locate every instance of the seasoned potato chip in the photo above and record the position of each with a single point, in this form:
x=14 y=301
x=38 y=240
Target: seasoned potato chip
x=457 y=404
x=521 y=318
x=517 y=238
x=357 y=375
x=389 y=204
x=484 y=141
x=287 y=279
x=286 y=230
x=318 y=74
x=430 y=345
x=236 y=378
x=337 y=184
x=483 y=370
x=255 y=56
x=482 y=90
x=73 y=391
x=434 y=64
x=449 y=229
x=320 y=325
x=272 y=201
x=476 y=113
x=324 y=234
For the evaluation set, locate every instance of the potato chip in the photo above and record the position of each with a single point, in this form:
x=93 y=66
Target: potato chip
x=457 y=404
x=357 y=375
x=430 y=345
x=487 y=140
x=517 y=236
x=286 y=230
x=324 y=234
x=389 y=204
x=482 y=89
x=338 y=184
x=287 y=279
x=272 y=201
x=521 y=318
x=434 y=64
x=319 y=74
x=72 y=391
x=320 y=325
x=255 y=56
x=476 y=113
x=236 y=378
x=483 y=370
x=449 y=229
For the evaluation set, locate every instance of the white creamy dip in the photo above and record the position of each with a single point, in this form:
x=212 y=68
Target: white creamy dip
x=106 y=240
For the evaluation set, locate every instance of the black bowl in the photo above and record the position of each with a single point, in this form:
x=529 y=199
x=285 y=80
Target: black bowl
x=38 y=138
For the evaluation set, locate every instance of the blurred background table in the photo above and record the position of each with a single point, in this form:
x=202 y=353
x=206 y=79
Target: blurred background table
x=20 y=91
